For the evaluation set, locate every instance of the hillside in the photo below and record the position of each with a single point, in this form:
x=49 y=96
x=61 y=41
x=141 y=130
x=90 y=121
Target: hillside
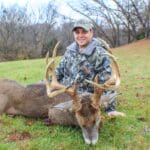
x=128 y=133
x=133 y=60
x=138 y=46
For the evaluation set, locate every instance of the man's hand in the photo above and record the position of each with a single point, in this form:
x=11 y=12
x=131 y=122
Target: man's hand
x=116 y=114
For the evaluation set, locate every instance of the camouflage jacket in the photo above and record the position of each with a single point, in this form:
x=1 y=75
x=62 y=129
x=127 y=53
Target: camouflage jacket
x=76 y=65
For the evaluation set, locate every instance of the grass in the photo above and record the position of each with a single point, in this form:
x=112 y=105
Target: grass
x=129 y=133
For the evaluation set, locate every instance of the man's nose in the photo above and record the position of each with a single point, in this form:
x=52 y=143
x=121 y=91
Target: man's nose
x=80 y=34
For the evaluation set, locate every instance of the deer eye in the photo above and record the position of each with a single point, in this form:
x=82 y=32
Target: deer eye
x=94 y=121
x=84 y=126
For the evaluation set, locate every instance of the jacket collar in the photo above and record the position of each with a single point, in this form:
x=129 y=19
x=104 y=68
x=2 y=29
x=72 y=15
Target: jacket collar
x=87 y=51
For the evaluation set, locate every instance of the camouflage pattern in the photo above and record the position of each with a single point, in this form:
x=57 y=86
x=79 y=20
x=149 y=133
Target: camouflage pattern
x=84 y=24
x=76 y=65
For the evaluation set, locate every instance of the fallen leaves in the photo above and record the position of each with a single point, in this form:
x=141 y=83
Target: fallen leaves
x=18 y=136
x=143 y=119
x=30 y=122
x=139 y=95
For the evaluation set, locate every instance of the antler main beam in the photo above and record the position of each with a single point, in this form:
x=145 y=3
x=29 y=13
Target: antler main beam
x=53 y=87
x=114 y=80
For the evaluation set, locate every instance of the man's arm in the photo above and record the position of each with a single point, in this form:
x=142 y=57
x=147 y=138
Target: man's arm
x=103 y=66
x=60 y=69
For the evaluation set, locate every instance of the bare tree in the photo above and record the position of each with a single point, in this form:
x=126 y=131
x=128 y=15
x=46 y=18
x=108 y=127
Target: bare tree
x=24 y=34
x=64 y=34
x=136 y=15
x=107 y=25
x=12 y=22
x=118 y=23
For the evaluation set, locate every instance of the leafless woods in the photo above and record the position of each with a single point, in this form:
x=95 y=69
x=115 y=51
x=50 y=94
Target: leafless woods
x=29 y=34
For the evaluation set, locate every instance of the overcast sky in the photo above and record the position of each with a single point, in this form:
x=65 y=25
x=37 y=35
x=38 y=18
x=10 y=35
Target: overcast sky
x=63 y=8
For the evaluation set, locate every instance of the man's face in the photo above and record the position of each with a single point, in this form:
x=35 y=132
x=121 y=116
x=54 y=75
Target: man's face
x=82 y=37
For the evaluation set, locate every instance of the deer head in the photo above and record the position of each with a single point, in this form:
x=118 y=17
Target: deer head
x=85 y=106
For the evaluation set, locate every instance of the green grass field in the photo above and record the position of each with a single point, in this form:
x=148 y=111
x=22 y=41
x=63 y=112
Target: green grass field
x=129 y=133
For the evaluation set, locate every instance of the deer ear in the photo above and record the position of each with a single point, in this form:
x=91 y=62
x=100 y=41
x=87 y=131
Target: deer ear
x=64 y=106
x=76 y=104
x=95 y=105
x=96 y=95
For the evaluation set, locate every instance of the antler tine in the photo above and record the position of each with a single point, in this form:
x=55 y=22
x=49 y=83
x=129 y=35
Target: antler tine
x=96 y=89
x=55 y=49
x=97 y=93
x=47 y=58
x=51 y=64
x=117 y=74
x=53 y=54
x=74 y=90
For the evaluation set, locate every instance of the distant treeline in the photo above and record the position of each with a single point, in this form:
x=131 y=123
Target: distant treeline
x=25 y=34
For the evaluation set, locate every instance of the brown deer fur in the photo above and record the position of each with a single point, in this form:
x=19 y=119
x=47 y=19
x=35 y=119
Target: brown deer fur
x=30 y=101
x=63 y=105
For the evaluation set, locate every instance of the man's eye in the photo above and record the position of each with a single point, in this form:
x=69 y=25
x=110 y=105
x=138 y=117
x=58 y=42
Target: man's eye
x=84 y=32
x=77 y=32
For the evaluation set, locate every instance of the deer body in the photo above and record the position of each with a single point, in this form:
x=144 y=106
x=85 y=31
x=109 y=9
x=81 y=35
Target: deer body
x=63 y=105
x=30 y=101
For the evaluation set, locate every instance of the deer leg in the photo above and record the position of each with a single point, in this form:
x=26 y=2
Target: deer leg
x=3 y=102
x=12 y=111
x=5 y=107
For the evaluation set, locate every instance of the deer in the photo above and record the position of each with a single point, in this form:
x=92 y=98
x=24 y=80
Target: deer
x=62 y=105
x=84 y=108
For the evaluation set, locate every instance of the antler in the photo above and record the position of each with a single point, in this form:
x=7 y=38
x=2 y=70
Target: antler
x=114 y=81
x=53 y=87
x=97 y=93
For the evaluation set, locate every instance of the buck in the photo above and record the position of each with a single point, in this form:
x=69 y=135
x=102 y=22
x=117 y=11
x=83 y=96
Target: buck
x=62 y=105
x=84 y=109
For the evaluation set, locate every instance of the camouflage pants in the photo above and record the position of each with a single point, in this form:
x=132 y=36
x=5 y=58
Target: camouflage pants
x=108 y=100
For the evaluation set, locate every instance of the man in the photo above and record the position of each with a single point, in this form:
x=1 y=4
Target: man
x=83 y=59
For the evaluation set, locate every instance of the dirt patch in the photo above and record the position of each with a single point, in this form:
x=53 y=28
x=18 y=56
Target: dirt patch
x=136 y=46
x=142 y=95
x=4 y=122
x=143 y=119
x=29 y=122
x=1 y=121
x=17 y=136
